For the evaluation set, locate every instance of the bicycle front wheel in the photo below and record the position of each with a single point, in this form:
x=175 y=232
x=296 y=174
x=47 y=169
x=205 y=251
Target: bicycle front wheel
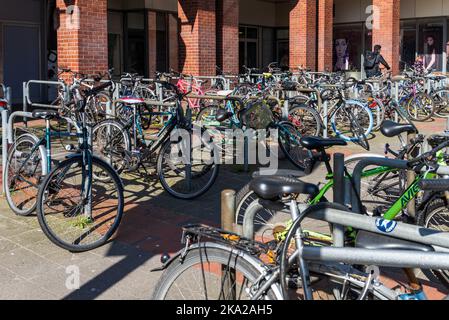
x=353 y=122
x=290 y=144
x=204 y=274
x=186 y=176
x=74 y=218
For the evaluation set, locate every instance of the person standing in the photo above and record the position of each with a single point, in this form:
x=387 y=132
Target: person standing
x=430 y=57
x=373 y=60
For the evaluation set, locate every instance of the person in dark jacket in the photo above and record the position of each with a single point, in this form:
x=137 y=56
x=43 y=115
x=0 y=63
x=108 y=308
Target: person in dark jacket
x=373 y=60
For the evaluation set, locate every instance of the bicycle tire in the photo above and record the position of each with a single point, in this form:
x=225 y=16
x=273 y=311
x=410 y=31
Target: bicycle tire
x=120 y=164
x=309 y=123
x=367 y=130
x=411 y=103
x=46 y=189
x=441 y=103
x=291 y=146
x=212 y=254
x=203 y=188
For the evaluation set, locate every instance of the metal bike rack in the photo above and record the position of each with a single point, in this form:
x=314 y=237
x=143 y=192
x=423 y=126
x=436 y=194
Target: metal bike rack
x=361 y=166
x=7 y=92
x=7 y=135
x=26 y=94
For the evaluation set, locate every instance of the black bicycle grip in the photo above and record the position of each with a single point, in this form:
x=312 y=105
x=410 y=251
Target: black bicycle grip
x=435 y=185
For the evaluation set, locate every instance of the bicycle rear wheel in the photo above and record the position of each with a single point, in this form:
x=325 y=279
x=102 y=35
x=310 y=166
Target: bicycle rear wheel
x=306 y=120
x=110 y=142
x=64 y=205
x=421 y=107
x=353 y=122
x=290 y=143
x=203 y=273
x=441 y=101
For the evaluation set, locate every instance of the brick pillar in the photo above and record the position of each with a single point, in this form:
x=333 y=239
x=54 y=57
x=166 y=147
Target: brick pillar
x=197 y=40
x=83 y=35
x=303 y=34
x=386 y=30
x=325 y=35
x=173 y=60
x=228 y=35
x=152 y=43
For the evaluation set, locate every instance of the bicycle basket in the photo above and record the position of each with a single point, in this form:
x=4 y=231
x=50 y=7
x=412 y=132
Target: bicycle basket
x=257 y=116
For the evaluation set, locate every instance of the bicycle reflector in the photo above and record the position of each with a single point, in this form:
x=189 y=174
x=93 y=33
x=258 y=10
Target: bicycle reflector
x=3 y=103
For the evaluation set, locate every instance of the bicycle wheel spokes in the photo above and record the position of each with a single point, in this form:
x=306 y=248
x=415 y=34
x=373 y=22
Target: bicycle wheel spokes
x=209 y=281
x=71 y=216
x=186 y=176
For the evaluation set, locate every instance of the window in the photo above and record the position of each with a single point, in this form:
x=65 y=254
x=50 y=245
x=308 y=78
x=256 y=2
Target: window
x=249 y=47
x=135 y=56
x=161 y=42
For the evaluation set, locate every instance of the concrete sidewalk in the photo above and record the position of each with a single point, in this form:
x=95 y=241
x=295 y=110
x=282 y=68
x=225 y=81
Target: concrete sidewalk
x=33 y=268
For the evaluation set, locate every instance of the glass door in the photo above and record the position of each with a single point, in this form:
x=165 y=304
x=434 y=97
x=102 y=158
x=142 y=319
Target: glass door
x=249 y=47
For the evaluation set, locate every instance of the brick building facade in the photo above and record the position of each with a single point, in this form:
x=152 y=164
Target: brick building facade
x=209 y=35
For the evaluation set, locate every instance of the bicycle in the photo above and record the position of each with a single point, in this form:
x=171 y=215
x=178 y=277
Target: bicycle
x=126 y=148
x=81 y=201
x=219 y=264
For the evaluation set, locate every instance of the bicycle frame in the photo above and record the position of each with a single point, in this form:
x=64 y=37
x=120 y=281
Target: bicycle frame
x=184 y=87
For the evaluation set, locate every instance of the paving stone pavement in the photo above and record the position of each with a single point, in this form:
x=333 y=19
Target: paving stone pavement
x=33 y=268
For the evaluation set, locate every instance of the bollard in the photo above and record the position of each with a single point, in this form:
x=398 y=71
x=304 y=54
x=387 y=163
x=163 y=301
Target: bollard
x=227 y=223
x=227 y=210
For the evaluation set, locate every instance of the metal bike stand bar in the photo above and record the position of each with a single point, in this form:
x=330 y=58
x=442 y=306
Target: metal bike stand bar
x=4 y=115
x=388 y=257
x=27 y=99
x=411 y=177
x=320 y=105
x=357 y=175
x=339 y=196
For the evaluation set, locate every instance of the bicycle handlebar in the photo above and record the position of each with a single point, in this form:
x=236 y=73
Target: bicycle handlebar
x=435 y=185
x=429 y=154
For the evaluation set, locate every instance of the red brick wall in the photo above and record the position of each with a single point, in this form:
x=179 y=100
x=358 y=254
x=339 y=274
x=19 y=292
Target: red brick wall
x=388 y=32
x=228 y=35
x=84 y=49
x=197 y=39
x=303 y=34
x=325 y=35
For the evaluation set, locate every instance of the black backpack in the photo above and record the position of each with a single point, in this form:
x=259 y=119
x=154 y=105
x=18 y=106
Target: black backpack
x=370 y=60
